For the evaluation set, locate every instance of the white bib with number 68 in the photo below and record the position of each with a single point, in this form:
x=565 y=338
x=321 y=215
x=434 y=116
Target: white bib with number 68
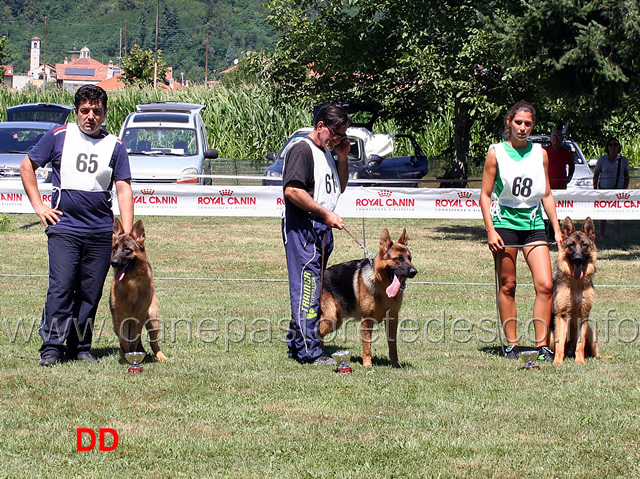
x=85 y=161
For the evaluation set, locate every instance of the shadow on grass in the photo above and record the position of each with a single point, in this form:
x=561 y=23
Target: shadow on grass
x=375 y=360
x=105 y=351
x=628 y=246
x=463 y=233
x=115 y=351
x=30 y=225
x=493 y=350
x=625 y=249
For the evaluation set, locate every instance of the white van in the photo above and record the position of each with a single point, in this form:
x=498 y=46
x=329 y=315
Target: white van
x=167 y=143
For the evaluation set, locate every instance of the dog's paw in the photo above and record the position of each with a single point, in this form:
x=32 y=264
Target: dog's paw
x=558 y=362
x=160 y=356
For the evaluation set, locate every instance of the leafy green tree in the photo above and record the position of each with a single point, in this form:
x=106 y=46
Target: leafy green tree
x=3 y=44
x=415 y=57
x=583 y=56
x=421 y=57
x=170 y=21
x=3 y=54
x=138 y=66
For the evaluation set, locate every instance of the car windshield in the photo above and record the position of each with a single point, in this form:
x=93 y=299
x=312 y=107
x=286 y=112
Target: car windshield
x=152 y=141
x=19 y=140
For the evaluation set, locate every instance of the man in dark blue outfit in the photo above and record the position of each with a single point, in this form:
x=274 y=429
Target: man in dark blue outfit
x=86 y=161
x=312 y=183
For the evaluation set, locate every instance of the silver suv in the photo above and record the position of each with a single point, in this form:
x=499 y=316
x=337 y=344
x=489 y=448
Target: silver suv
x=167 y=143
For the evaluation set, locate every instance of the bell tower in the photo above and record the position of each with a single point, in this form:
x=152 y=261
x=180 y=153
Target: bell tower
x=35 y=56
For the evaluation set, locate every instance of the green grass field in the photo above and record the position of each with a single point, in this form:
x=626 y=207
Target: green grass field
x=229 y=403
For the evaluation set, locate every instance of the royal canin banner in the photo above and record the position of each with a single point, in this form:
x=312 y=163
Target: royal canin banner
x=355 y=202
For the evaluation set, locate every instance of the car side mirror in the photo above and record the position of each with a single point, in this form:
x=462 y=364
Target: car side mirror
x=211 y=153
x=593 y=162
x=271 y=156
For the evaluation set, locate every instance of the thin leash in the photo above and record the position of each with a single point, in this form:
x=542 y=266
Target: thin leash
x=495 y=270
x=370 y=256
x=368 y=253
x=324 y=237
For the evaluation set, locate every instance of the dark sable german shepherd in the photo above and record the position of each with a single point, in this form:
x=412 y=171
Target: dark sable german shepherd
x=368 y=291
x=573 y=294
x=133 y=301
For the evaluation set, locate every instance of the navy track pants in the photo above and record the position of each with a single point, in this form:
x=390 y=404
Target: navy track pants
x=304 y=239
x=78 y=266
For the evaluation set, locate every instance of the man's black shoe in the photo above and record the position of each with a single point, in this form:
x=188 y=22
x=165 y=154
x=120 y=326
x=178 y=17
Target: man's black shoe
x=87 y=357
x=324 y=360
x=49 y=360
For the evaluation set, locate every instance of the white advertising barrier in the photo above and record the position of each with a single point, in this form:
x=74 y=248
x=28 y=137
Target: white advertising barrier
x=356 y=202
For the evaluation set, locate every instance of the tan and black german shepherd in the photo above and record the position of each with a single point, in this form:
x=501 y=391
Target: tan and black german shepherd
x=368 y=291
x=133 y=300
x=573 y=294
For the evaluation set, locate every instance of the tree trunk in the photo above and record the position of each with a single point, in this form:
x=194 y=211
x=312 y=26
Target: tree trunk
x=461 y=140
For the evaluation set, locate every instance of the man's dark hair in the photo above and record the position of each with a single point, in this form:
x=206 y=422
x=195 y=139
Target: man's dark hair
x=333 y=116
x=90 y=93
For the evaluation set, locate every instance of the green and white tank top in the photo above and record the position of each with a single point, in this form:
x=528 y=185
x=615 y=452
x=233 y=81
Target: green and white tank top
x=520 y=185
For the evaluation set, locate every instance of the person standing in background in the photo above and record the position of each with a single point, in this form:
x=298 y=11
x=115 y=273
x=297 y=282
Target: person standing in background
x=561 y=164
x=611 y=173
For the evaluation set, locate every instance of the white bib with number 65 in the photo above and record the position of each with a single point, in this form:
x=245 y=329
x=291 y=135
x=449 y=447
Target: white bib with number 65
x=85 y=161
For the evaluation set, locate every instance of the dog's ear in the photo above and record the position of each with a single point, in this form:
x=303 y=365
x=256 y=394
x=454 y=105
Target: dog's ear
x=403 y=238
x=589 y=228
x=138 y=232
x=568 y=228
x=117 y=228
x=385 y=241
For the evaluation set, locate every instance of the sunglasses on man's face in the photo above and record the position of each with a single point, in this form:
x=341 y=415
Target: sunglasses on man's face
x=614 y=144
x=337 y=136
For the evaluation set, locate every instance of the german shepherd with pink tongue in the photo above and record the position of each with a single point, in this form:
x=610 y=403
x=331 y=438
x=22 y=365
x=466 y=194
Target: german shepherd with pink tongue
x=133 y=300
x=370 y=291
x=574 y=294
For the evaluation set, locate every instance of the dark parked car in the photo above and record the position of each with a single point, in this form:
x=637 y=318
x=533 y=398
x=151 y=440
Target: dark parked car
x=372 y=157
x=27 y=124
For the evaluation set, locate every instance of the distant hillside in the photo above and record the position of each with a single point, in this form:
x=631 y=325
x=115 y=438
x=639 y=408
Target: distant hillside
x=107 y=28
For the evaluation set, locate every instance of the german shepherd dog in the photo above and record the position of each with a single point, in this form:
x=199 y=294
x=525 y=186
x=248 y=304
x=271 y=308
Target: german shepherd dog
x=573 y=294
x=369 y=290
x=133 y=301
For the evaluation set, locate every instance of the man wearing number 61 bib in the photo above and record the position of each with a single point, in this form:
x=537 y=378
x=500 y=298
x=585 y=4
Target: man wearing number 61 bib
x=312 y=183
x=86 y=162
x=515 y=188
